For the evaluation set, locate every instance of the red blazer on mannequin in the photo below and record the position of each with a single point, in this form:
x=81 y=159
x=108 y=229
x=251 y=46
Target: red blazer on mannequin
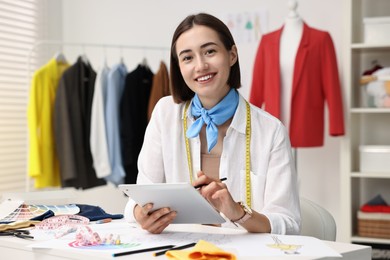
x=315 y=81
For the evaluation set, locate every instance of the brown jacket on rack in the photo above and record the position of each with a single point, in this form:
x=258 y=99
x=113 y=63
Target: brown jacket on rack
x=160 y=87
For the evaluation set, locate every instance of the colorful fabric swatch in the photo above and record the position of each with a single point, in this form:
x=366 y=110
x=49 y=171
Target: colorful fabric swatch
x=26 y=212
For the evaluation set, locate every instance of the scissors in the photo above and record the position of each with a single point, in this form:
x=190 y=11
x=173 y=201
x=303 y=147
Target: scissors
x=25 y=234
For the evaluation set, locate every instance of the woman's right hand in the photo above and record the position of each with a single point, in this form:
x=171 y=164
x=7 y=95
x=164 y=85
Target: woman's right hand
x=153 y=221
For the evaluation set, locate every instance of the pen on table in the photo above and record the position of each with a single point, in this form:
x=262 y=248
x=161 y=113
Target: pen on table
x=174 y=248
x=201 y=185
x=143 y=250
x=102 y=221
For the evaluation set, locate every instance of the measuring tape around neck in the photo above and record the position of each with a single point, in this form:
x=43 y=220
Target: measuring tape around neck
x=247 y=150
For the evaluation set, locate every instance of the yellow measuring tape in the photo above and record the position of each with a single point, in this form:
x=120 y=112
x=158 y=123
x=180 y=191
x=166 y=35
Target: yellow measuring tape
x=247 y=150
x=187 y=142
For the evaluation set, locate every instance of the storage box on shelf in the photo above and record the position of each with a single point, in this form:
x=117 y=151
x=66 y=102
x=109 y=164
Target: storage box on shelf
x=373 y=224
x=376 y=30
x=375 y=158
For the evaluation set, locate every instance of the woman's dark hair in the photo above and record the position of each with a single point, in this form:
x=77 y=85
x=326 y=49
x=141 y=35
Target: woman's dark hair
x=179 y=89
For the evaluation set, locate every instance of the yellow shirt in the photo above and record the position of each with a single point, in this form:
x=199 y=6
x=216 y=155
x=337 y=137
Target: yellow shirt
x=42 y=160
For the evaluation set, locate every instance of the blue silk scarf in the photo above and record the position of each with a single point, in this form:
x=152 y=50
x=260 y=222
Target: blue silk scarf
x=213 y=117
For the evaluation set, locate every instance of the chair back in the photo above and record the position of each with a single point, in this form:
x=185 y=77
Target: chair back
x=317 y=221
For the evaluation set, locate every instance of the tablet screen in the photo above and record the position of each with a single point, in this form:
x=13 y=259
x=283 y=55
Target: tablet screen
x=190 y=206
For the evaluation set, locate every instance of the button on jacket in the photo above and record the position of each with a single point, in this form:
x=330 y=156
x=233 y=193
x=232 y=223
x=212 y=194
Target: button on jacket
x=273 y=177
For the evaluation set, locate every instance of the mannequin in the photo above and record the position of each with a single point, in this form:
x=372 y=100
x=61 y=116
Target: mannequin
x=295 y=78
x=289 y=42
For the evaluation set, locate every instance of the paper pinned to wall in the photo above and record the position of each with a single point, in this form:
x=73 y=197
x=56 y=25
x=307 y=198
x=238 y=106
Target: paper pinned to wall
x=247 y=26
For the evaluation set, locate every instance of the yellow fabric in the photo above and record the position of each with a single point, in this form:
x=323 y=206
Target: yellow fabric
x=18 y=224
x=42 y=160
x=202 y=250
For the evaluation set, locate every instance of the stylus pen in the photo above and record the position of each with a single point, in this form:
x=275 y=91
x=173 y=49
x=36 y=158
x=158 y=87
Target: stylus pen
x=143 y=250
x=201 y=185
x=175 y=248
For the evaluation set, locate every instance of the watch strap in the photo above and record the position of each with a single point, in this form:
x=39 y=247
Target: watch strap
x=246 y=216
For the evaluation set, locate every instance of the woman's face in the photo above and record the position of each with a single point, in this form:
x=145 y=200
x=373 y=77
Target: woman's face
x=205 y=63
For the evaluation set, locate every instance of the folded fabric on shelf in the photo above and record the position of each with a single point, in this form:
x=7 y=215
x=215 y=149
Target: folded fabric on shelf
x=376 y=204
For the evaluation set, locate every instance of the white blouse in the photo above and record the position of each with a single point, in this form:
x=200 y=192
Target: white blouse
x=274 y=188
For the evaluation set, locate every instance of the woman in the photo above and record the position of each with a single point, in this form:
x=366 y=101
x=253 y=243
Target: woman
x=206 y=131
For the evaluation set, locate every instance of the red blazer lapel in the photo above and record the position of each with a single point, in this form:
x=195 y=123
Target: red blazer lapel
x=275 y=53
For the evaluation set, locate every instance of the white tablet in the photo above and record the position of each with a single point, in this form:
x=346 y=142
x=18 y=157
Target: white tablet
x=190 y=206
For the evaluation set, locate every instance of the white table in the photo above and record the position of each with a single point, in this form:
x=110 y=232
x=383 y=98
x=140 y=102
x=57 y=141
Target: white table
x=12 y=248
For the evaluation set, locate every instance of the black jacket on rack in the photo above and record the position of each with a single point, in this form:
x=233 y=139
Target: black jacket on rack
x=134 y=118
x=72 y=122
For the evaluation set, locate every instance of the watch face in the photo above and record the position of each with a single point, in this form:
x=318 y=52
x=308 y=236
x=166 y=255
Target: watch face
x=246 y=208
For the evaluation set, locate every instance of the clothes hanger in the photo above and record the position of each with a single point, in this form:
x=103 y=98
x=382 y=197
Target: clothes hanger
x=105 y=64
x=144 y=63
x=122 y=60
x=60 y=57
x=84 y=57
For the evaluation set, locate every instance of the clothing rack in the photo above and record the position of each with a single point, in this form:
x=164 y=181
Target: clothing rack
x=51 y=42
x=82 y=45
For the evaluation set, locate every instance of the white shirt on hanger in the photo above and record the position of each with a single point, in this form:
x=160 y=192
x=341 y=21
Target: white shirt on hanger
x=98 y=137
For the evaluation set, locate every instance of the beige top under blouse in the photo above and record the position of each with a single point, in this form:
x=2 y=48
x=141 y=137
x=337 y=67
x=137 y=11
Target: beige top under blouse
x=210 y=161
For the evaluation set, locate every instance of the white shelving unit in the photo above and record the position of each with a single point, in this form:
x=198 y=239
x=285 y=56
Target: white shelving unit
x=364 y=125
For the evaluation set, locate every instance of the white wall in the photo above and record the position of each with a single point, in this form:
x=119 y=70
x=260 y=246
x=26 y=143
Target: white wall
x=152 y=22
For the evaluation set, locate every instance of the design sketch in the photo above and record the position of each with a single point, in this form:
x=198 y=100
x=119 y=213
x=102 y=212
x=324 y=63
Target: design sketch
x=288 y=249
x=247 y=27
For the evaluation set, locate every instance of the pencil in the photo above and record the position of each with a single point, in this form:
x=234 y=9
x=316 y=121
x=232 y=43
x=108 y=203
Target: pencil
x=143 y=250
x=102 y=221
x=201 y=185
x=175 y=248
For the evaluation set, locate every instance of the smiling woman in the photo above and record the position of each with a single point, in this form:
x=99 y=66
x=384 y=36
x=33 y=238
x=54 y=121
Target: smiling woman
x=207 y=131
